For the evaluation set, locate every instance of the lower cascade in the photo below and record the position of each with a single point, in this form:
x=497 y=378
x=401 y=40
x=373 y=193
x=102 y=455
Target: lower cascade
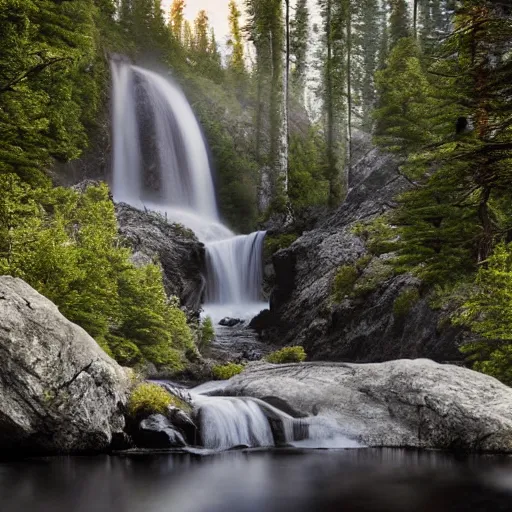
x=226 y=422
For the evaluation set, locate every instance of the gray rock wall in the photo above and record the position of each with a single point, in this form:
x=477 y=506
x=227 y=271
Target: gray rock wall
x=177 y=249
x=363 y=328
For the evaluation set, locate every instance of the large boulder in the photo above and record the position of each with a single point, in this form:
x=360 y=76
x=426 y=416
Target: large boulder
x=177 y=249
x=404 y=403
x=59 y=392
x=364 y=327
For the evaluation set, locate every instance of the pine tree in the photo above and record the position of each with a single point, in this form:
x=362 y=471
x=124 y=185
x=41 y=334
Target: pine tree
x=267 y=26
x=335 y=15
x=177 y=20
x=405 y=100
x=236 y=42
x=201 y=34
x=299 y=48
x=460 y=207
x=399 y=22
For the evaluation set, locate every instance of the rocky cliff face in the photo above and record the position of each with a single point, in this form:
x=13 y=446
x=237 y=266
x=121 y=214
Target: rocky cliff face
x=59 y=392
x=176 y=248
x=364 y=327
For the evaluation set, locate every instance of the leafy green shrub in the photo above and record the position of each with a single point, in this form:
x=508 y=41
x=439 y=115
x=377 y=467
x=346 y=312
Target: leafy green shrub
x=66 y=245
x=344 y=281
x=405 y=302
x=287 y=355
x=226 y=371
x=125 y=352
x=276 y=243
x=206 y=333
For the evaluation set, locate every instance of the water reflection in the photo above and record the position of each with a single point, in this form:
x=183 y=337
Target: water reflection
x=348 y=480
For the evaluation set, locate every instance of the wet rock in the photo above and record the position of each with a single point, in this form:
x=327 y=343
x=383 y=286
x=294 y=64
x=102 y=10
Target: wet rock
x=177 y=249
x=59 y=392
x=230 y=322
x=404 y=403
x=182 y=421
x=157 y=431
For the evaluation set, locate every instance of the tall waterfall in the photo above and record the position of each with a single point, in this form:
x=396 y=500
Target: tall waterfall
x=161 y=163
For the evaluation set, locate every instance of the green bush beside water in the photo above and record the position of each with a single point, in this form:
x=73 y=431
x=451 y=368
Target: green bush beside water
x=226 y=371
x=287 y=355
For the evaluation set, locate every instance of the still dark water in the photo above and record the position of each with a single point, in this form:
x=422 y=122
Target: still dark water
x=259 y=481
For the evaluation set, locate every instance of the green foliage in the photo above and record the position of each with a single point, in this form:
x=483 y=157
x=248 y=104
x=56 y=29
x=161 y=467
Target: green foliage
x=492 y=359
x=274 y=243
x=373 y=273
x=405 y=100
x=405 y=302
x=148 y=398
x=226 y=371
x=49 y=83
x=287 y=355
x=66 y=245
x=379 y=235
x=488 y=309
x=344 y=282
x=206 y=334
x=307 y=183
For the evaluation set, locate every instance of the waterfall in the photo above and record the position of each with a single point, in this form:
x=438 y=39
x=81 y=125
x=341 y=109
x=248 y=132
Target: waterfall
x=226 y=422
x=161 y=163
x=229 y=283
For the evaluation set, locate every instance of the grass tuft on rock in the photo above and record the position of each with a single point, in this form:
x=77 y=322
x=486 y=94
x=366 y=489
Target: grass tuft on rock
x=148 y=398
x=226 y=371
x=287 y=355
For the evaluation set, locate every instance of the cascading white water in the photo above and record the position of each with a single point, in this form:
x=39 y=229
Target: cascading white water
x=226 y=422
x=227 y=281
x=161 y=164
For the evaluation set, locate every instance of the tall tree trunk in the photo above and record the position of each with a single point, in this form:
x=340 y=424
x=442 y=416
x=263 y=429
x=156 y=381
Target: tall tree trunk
x=415 y=20
x=331 y=159
x=286 y=104
x=346 y=177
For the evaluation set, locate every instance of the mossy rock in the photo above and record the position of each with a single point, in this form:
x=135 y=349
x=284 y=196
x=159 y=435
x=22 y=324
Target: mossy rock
x=274 y=243
x=344 y=281
x=405 y=302
x=375 y=273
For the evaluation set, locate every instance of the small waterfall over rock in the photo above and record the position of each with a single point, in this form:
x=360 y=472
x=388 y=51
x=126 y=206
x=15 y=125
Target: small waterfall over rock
x=229 y=283
x=161 y=163
x=226 y=422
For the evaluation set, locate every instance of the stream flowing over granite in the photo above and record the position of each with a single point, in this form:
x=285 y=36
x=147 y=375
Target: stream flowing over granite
x=363 y=328
x=404 y=403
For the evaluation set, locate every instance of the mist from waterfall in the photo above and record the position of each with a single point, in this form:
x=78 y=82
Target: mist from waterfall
x=161 y=164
